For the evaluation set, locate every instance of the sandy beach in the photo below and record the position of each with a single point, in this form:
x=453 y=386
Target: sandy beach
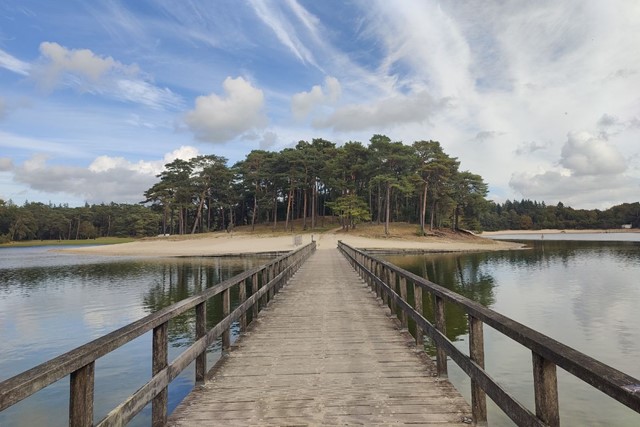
x=241 y=243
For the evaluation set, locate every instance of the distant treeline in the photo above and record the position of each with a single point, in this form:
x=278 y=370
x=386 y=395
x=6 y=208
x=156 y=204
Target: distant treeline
x=532 y=215
x=39 y=221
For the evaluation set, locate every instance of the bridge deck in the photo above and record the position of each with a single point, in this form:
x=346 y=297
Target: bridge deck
x=324 y=353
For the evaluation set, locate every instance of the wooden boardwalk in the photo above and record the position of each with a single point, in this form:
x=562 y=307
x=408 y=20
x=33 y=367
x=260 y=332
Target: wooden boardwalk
x=324 y=353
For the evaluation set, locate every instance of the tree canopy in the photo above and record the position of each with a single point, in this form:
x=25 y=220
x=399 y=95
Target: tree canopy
x=383 y=181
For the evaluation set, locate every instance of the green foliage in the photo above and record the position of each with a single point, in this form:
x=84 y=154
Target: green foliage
x=533 y=215
x=351 y=210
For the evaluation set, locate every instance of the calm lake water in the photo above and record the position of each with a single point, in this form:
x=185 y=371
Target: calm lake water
x=585 y=294
x=52 y=302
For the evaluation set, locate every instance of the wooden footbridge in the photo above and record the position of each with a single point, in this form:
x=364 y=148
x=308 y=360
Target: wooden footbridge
x=331 y=348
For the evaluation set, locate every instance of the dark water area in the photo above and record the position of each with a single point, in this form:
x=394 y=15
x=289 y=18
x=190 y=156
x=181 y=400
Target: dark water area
x=585 y=294
x=52 y=302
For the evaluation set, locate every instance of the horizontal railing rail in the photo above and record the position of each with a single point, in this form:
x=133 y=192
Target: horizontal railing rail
x=79 y=363
x=390 y=284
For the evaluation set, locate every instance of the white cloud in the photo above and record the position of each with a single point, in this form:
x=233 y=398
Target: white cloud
x=304 y=103
x=6 y=164
x=576 y=191
x=222 y=118
x=273 y=16
x=585 y=154
x=100 y=75
x=269 y=139
x=12 y=63
x=530 y=147
x=106 y=179
x=384 y=113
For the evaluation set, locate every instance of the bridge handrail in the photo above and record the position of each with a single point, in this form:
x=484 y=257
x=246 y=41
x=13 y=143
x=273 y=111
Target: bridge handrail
x=547 y=353
x=79 y=363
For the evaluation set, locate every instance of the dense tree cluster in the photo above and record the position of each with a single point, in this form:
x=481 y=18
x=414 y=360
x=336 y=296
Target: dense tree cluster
x=384 y=181
x=532 y=215
x=38 y=221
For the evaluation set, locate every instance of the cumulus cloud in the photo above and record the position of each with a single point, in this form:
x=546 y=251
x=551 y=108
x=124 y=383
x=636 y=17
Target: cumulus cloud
x=388 y=112
x=486 y=135
x=576 y=191
x=585 y=154
x=269 y=139
x=12 y=63
x=106 y=179
x=6 y=164
x=304 y=103
x=530 y=147
x=591 y=174
x=221 y=118
x=88 y=72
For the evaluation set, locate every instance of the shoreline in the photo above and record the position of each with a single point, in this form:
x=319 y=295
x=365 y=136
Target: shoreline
x=239 y=243
x=559 y=231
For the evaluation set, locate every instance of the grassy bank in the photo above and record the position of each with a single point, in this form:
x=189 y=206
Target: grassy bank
x=98 y=241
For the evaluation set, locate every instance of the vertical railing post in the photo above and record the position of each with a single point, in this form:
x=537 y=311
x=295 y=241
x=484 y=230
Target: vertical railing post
x=254 y=290
x=403 y=295
x=264 y=280
x=476 y=353
x=393 y=285
x=81 y=396
x=417 y=302
x=242 y=296
x=226 y=309
x=545 y=386
x=160 y=361
x=272 y=275
x=441 y=355
x=201 y=330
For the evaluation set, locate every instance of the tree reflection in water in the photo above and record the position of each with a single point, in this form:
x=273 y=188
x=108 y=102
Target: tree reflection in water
x=186 y=277
x=465 y=274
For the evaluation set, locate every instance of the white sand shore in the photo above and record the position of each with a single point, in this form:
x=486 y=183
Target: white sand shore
x=238 y=243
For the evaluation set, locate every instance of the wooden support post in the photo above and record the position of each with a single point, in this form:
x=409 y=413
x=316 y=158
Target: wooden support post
x=545 y=386
x=201 y=330
x=476 y=353
x=159 y=362
x=391 y=275
x=403 y=295
x=441 y=355
x=254 y=290
x=272 y=274
x=242 y=296
x=264 y=280
x=81 y=396
x=417 y=302
x=226 y=309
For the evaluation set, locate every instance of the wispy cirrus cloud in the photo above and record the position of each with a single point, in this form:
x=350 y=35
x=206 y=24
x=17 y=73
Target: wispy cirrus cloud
x=86 y=71
x=14 y=64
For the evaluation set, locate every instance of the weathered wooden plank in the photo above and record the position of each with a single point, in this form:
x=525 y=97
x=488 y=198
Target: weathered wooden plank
x=324 y=353
x=81 y=397
x=29 y=382
x=619 y=385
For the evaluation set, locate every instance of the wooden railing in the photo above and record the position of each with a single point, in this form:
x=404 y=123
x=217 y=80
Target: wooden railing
x=79 y=363
x=390 y=284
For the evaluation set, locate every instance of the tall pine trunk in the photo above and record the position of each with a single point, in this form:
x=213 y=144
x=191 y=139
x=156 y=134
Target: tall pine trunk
x=388 y=210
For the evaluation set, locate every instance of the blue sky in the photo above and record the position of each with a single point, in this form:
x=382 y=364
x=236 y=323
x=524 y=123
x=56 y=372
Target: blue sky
x=540 y=98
